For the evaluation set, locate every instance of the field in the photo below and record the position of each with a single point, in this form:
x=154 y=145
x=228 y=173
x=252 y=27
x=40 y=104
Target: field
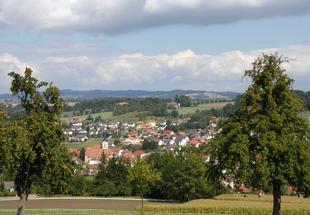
x=223 y=204
x=306 y=116
x=201 y=107
x=79 y=145
x=133 y=116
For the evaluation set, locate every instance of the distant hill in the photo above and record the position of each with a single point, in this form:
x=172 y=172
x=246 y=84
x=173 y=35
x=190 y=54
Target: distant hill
x=92 y=94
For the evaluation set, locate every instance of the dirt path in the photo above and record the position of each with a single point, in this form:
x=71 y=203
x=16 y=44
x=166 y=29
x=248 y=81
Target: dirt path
x=104 y=204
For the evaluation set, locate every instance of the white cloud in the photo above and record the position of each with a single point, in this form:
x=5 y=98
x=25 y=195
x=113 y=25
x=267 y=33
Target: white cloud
x=118 y=16
x=182 y=70
x=9 y=63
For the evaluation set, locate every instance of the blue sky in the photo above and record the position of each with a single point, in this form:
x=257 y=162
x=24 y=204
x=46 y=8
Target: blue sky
x=151 y=44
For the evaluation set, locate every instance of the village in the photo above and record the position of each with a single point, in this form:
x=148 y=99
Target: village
x=132 y=136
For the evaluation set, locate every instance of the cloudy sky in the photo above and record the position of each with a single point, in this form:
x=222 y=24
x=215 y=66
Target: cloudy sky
x=151 y=44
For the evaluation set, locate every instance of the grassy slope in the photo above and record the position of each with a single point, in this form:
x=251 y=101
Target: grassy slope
x=306 y=116
x=189 y=110
x=133 y=115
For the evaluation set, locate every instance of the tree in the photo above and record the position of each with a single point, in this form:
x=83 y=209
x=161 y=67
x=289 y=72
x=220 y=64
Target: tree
x=112 y=179
x=265 y=142
x=185 y=101
x=143 y=177
x=174 y=113
x=149 y=145
x=189 y=173
x=34 y=141
x=82 y=154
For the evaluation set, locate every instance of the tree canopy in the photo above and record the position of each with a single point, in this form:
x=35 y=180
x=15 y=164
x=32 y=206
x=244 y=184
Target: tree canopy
x=33 y=142
x=265 y=142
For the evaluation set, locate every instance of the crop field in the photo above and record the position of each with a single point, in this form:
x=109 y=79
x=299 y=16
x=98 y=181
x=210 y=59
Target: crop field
x=133 y=116
x=223 y=204
x=236 y=204
x=201 y=107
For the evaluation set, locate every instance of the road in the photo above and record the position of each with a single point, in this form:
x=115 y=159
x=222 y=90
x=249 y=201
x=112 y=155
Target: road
x=120 y=204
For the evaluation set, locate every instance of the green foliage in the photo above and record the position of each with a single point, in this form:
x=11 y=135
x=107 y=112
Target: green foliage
x=149 y=145
x=183 y=176
x=33 y=142
x=185 y=101
x=265 y=142
x=78 y=185
x=174 y=113
x=111 y=179
x=82 y=154
x=143 y=177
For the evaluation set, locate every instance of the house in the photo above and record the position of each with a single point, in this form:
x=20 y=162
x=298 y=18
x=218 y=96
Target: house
x=173 y=105
x=133 y=156
x=132 y=141
x=68 y=132
x=182 y=139
x=78 y=138
x=10 y=186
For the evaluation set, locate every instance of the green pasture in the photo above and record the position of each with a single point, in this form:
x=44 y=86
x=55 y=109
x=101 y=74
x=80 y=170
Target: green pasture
x=201 y=107
x=306 y=116
x=79 y=145
x=133 y=116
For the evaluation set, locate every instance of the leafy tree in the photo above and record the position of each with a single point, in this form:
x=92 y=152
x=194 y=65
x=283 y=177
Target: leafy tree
x=174 y=113
x=34 y=141
x=112 y=178
x=78 y=185
x=185 y=101
x=143 y=177
x=82 y=154
x=189 y=174
x=265 y=142
x=90 y=117
x=149 y=145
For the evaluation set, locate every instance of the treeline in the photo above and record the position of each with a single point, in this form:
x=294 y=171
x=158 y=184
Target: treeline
x=305 y=98
x=183 y=177
x=152 y=106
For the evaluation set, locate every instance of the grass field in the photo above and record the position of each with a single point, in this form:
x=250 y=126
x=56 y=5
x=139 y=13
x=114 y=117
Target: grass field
x=201 y=107
x=306 y=116
x=133 y=116
x=79 y=145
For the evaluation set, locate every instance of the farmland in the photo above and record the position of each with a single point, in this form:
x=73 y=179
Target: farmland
x=222 y=204
x=133 y=116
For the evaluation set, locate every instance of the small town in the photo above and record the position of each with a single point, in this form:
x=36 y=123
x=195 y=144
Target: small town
x=154 y=107
x=132 y=135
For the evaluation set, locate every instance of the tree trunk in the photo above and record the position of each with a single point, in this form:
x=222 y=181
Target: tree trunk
x=21 y=204
x=142 y=208
x=276 y=198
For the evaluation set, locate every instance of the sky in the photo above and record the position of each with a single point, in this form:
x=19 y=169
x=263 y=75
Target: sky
x=152 y=44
